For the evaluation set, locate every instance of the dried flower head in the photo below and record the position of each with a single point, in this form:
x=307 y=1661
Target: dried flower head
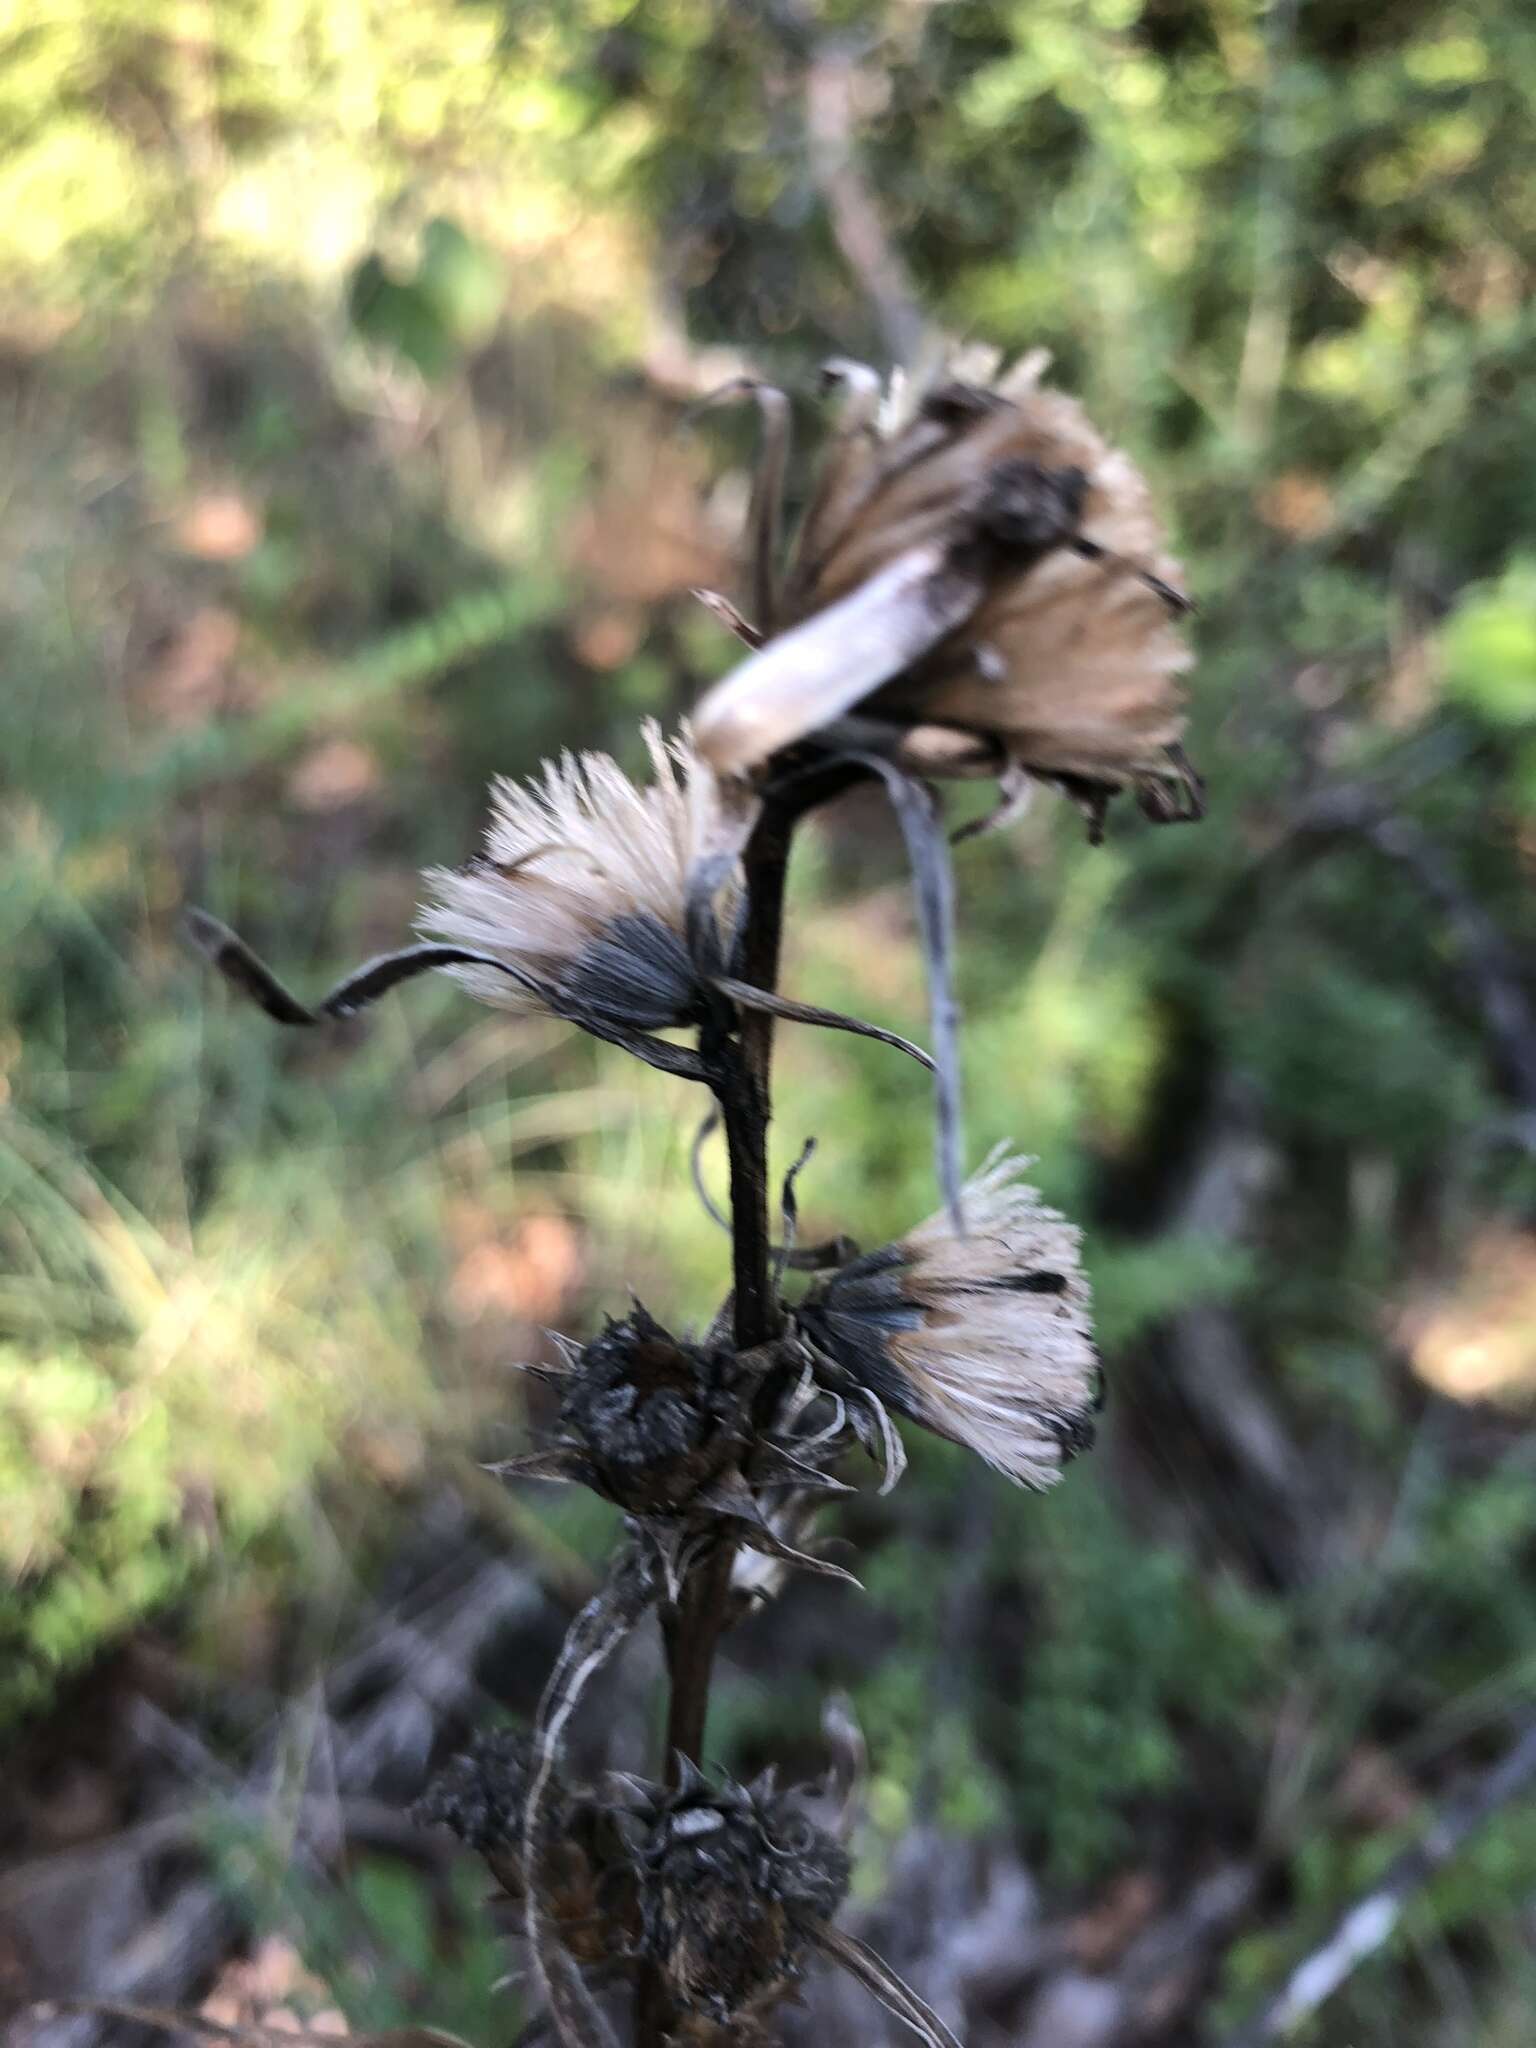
x=978 y=587
x=735 y=1883
x=582 y=893
x=612 y=906
x=665 y=1428
x=587 y=905
x=654 y=1418
x=481 y=1793
x=985 y=1338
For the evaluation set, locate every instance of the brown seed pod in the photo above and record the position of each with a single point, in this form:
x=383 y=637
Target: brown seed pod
x=658 y=1419
x=735 y=1884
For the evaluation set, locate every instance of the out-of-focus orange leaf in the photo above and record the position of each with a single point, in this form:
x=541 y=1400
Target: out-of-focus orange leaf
x=1098 y=1935
x=606 y=639
x=1476 y=1340
x=530 y=1272
x=336 y=773
x=220 y=526
x=645 y=533
x=1297 y=504
x=189 y=681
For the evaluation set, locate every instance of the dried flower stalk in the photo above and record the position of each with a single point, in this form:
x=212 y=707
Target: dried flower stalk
x=978 y=587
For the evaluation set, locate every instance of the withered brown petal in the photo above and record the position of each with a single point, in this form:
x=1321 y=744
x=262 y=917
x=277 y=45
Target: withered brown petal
x=810 y=675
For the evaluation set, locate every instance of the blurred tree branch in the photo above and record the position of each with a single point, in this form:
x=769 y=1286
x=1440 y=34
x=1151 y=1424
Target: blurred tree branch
x=1365 y=1927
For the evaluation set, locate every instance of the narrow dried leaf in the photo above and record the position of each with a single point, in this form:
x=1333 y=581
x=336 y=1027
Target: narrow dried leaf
x=751 y=998
x=809 y=676
x=917 y=813
x=877 y=1977
x=246 y=971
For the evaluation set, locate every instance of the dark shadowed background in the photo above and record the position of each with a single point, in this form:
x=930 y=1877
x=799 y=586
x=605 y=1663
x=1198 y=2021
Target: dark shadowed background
x=346 y=350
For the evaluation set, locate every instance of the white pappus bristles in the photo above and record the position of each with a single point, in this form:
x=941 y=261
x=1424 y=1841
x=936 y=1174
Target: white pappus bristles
x=582 y=891
x=986 y=1338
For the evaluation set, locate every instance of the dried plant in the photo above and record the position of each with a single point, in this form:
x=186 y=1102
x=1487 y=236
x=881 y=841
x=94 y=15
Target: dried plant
x=979 y=587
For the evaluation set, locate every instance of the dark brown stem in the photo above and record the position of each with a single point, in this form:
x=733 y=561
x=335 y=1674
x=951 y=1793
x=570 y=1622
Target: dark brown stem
x=741 y=1067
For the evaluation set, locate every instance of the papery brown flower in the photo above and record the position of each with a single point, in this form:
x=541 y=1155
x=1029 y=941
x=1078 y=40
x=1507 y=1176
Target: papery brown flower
x=984 y=1338
x=979 y=587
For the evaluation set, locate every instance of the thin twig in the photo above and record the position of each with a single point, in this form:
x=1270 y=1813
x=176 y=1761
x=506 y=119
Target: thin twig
x=831 y=78
x=1486 y=954
x=254 y=2034
x=1266 y=338
x=1370 y=1923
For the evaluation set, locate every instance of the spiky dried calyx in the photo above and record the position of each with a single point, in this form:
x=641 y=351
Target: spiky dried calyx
x=657 y=1418
x=665 y=1428
x=650 y=1421
x=480 y=1794
x=735 y=1884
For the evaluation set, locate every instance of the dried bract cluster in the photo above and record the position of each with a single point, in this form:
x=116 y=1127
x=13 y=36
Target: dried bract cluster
x=585 y=1888
x=728 y=1891
x=649 y=1420
x=670 y=1431
x=735 y=1885
x=482 y=1793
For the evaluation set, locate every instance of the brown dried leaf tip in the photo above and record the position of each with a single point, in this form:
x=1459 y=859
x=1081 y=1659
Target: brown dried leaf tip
x=985 y=1339
x=736 y=1883
x=980 y=586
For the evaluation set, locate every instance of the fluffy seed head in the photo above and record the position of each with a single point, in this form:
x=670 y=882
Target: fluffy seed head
x=985 y=1339
x=583 y=891
x=987 y=566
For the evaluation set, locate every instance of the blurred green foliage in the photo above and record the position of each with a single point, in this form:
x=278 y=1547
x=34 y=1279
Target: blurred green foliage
x=341 y=351
x=372 y=1950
